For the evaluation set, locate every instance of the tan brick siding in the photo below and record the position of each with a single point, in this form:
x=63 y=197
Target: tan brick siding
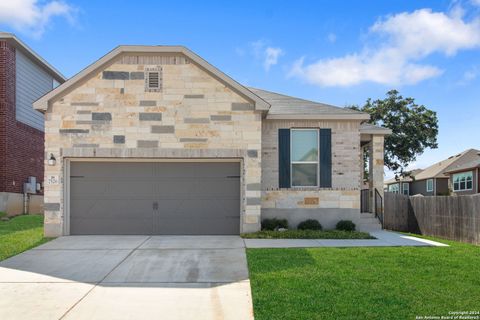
x=345 y=169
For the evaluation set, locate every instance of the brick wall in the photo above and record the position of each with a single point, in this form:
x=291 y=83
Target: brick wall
x=21 y=147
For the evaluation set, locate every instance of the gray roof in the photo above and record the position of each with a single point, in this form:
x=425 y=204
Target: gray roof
x=439 y=169
x=369 y=128
x=20 y=45
x=407 y=178
x=286 y=107
x=471 y=160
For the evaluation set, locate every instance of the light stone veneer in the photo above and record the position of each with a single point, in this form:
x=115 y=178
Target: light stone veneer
x=111 y=115
x=328 y=205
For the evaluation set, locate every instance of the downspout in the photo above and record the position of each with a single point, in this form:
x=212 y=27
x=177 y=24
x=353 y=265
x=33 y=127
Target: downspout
x=25 y=203
x=476 y=179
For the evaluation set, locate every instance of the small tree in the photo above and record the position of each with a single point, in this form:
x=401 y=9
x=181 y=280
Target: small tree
x=414 y=128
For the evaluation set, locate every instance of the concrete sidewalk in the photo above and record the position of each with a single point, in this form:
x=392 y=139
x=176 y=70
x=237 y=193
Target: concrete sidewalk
x=383 y=239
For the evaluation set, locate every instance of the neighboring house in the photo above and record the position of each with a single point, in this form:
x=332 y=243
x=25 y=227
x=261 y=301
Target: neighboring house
x=434 y=180
x=465 y=173
x=402 y=184
x=24 y=77
x=155 y=140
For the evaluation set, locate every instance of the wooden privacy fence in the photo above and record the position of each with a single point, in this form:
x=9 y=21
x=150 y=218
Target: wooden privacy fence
x=449 y=217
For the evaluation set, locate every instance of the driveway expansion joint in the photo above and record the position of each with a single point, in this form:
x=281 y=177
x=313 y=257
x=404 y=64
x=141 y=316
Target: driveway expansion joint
x=97 y=283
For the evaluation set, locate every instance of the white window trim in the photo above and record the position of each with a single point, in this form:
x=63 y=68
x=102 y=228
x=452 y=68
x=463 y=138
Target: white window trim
x=430 y=190
x=461 y=190
x=406 y=189
x=305 y=162
x=392 y=189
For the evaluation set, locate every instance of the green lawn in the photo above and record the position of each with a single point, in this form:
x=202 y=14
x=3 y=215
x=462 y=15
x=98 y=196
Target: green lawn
x=307 y=234
x=364 y=283
x=19 y=234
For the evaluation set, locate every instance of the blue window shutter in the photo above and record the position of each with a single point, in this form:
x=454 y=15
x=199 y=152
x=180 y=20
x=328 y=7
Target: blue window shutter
x=325 y=158
x=284 y=158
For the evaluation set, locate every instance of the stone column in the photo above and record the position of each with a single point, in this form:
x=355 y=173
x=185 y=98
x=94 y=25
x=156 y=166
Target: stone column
x=375 y=178
x=362 y=171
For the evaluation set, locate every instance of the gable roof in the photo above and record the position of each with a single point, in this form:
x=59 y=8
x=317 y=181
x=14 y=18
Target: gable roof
x=43 y=102
x=32 y=55
x=439 y=169
x=408 y=178
x=471 y=160
x=287 y=107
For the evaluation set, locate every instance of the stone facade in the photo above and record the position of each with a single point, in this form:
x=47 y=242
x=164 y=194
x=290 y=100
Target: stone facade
x=376 y=163
x=112 y=115
x=328 y=205
x=118 y=110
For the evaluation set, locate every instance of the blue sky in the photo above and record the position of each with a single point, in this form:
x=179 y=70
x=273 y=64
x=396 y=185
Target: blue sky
x=337 y=52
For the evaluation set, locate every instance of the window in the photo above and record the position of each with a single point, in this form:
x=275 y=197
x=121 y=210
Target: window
x=395 y=188
x=153 y=79
x=304 y=157
x=405 y=188
x=429 y=185
x=462 y=181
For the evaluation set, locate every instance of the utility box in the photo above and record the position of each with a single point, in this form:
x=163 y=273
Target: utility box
x=30 y=186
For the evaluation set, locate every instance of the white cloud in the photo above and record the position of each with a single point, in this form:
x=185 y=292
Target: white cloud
x=267 y=54
x=32 y=16
x=271 y=57
x=475 y=2
x=399 y=43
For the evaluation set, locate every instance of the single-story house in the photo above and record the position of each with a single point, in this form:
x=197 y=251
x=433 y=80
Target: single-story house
x=24 y=77
x=438 y=179
x=155 y=140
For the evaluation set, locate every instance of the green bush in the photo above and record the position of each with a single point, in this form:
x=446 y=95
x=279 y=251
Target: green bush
x=345 y=225
x=310 y=224
x=3 y=214
x=307 y=234
x=274 y=224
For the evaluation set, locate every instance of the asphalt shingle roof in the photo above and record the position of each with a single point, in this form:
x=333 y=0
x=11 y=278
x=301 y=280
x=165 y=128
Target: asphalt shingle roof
x=470 y=160
x=439 y=169
x=286 y=105
x=408 y=178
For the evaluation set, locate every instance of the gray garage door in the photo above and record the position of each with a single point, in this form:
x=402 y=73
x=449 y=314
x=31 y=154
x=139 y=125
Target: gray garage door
x=154 y=198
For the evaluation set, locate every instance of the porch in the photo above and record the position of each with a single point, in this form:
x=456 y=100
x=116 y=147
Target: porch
x=372 y=170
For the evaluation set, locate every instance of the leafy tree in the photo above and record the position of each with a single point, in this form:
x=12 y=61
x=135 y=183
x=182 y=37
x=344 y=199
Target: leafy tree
x=414 y=128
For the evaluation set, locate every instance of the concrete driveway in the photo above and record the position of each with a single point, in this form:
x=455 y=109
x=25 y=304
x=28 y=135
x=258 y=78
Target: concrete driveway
x=128 y=277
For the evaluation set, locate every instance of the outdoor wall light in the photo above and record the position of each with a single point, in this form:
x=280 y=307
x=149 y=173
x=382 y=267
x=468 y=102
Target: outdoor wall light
x=52 y=161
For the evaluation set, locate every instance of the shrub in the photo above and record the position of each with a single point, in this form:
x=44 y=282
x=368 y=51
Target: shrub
x=274 y=224
x=346 y=225
x=310 y=224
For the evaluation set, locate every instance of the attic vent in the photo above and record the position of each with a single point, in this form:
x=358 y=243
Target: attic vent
x=153 y=79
